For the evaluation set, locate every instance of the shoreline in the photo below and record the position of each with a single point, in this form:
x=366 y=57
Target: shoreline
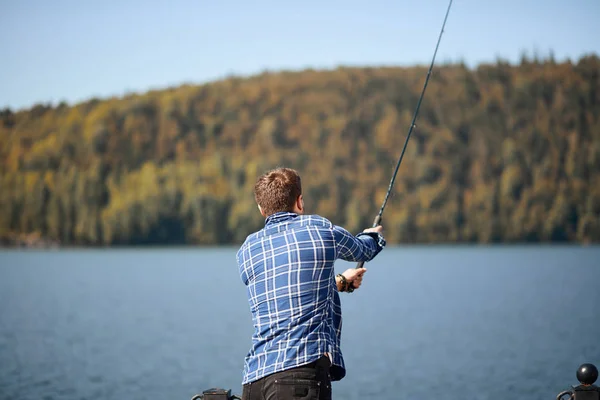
x=28 y=241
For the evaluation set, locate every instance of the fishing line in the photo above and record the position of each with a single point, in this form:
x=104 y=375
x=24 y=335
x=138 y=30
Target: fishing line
x=377 y=220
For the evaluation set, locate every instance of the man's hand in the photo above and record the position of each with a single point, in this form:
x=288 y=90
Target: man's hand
x=354 y=276
x=377 y=229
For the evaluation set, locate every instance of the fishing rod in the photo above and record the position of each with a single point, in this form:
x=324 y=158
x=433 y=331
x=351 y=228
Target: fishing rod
x=377 y=220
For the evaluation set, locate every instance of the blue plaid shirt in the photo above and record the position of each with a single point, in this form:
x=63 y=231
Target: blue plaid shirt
x=288 y=269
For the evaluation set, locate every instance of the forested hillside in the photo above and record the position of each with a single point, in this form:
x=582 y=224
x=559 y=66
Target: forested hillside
x=501 y=153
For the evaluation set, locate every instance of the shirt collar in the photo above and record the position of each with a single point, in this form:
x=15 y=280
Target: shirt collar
x=280 y=217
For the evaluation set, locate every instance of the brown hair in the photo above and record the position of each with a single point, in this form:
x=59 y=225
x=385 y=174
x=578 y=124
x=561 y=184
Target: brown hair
x=277 y=190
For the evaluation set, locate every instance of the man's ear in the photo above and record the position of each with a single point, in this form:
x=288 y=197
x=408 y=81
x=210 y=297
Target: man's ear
x=262 y=212
x=300 y=203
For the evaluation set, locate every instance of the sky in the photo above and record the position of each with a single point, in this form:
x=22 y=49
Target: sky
x=65 y=50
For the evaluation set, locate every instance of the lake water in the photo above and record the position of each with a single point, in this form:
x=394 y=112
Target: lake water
x=428 y=323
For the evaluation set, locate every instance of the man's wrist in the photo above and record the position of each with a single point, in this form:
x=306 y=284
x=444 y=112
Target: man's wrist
x=378 y=237
x=341 y=282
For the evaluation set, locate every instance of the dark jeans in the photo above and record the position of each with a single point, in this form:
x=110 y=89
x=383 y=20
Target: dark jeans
x=308 y=382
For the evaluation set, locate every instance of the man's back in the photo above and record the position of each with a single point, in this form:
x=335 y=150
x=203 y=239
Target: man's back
x=288 y=268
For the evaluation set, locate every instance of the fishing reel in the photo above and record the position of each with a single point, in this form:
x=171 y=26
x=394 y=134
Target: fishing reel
x=216 y=394
x=586 y=375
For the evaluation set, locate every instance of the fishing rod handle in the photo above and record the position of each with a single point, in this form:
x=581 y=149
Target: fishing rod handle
x=376 y=223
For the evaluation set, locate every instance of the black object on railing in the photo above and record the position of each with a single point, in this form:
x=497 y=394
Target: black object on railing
x=216 y=394
x=586 y=390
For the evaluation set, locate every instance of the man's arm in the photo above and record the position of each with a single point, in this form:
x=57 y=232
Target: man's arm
x=362 y=247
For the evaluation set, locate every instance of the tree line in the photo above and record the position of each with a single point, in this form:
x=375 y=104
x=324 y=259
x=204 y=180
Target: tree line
x=501 y=153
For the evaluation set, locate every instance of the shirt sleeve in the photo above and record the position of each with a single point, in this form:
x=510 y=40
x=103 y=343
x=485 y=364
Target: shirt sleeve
x=362 y=247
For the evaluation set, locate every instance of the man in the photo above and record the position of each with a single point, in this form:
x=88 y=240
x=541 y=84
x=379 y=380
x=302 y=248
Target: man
x=288 y=268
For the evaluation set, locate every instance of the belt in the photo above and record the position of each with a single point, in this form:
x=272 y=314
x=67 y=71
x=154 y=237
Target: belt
x=323 y=362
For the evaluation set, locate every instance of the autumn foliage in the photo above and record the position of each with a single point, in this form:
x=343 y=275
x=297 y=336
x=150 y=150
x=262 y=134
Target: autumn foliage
x=500 y=153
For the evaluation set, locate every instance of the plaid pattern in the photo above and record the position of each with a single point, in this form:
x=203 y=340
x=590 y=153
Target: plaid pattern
x=288 y=270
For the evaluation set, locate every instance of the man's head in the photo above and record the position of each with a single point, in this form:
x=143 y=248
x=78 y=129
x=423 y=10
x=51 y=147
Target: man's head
x=279 y=190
